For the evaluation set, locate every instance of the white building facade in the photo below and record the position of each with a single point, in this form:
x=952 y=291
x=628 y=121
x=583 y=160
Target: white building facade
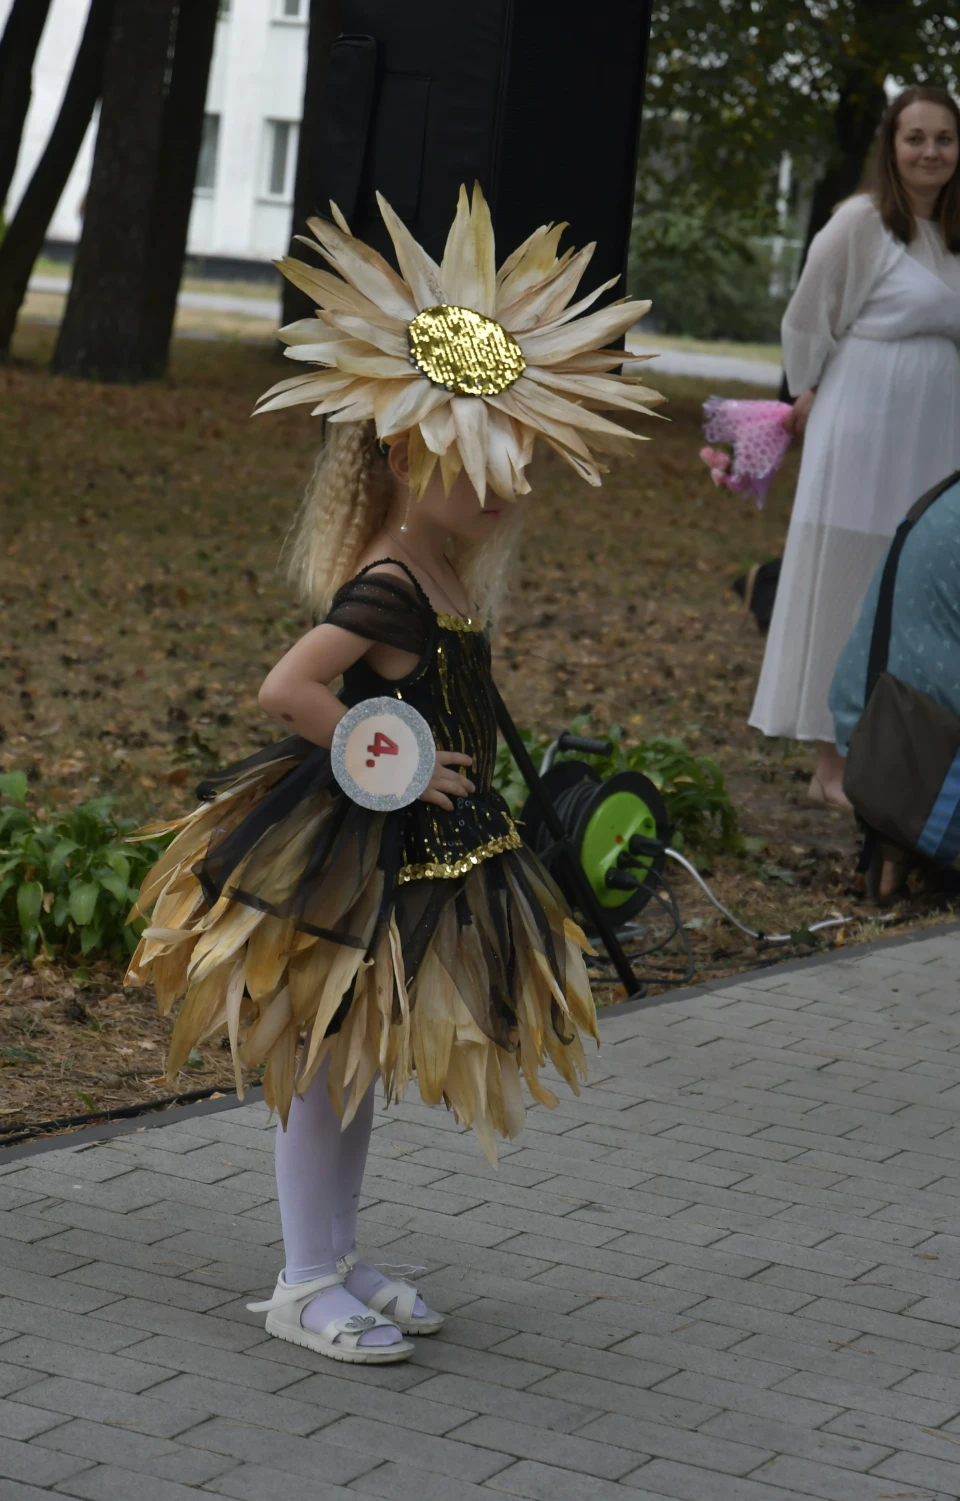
x=244 y=194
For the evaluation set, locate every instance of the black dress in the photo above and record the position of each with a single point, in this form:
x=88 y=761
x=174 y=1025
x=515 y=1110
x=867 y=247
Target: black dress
x=421 y=941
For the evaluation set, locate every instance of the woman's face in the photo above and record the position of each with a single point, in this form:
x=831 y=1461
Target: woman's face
x=926 y=148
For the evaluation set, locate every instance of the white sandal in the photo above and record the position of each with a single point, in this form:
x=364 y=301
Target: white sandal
x=340 y=1339
x=404 y=1297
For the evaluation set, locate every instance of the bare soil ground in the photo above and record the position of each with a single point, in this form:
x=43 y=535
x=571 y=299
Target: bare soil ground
x=143 y=603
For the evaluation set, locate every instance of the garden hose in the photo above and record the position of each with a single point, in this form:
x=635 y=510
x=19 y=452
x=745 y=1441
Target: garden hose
x=817 y=927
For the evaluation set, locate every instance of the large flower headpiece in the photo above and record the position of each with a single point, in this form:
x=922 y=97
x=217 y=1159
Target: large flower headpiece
x=469 y=363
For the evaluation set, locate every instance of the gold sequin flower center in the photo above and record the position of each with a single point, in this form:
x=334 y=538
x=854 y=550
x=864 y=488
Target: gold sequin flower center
x=469 y=354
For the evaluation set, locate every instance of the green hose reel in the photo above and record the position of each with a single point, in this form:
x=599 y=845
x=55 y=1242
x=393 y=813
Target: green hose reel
x=618 y=829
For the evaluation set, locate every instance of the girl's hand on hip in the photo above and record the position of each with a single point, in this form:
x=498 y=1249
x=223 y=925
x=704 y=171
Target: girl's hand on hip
x=799 y=414
x=446 y=782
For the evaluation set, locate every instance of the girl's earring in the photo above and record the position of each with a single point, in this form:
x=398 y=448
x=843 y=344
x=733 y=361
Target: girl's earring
x=403 y=524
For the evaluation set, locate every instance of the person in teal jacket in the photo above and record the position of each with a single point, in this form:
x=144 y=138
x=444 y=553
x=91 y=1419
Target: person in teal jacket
x=924 y=639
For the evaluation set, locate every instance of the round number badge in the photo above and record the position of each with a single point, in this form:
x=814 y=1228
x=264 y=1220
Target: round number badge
x=383 y=754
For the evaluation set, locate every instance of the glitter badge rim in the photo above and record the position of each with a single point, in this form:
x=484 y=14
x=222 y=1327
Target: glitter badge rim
x=371 y=708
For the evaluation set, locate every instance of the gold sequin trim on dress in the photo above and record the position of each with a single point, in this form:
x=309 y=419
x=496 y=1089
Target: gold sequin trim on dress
x=459 y=623
x=439 y=871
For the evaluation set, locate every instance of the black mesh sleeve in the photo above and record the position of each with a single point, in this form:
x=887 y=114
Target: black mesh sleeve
x=380 y=607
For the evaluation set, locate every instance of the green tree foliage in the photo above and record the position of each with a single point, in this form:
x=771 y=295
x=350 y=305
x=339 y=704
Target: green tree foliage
x=707 y=274
x=754 y=78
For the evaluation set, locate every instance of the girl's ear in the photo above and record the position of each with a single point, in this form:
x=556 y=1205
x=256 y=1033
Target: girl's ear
x=399 y=461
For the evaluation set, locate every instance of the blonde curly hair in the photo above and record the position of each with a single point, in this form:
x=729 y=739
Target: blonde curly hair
x=347 y=502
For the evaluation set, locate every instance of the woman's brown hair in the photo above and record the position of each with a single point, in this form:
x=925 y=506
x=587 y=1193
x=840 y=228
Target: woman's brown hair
x=887 y=188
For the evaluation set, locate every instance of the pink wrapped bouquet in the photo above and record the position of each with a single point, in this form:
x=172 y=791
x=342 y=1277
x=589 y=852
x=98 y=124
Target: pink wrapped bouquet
x=756 y=431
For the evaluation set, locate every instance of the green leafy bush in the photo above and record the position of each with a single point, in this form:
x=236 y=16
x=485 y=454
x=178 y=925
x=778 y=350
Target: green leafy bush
x=705 y=271
x=691 y=785
x=68 y=878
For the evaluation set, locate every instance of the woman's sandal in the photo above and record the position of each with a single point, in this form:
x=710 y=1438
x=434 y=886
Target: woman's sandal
x=403 y=1295
x=340 y=1339
x=816 y=793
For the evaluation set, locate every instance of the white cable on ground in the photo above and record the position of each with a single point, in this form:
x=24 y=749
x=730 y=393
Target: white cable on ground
x=817 y=927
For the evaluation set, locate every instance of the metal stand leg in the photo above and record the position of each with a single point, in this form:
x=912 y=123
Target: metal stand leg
x=605 y=929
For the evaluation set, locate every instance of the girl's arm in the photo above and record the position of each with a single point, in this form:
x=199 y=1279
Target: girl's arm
x=295 y=692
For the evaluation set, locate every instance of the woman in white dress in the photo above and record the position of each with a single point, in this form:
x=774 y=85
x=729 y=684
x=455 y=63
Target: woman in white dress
x=872 y=341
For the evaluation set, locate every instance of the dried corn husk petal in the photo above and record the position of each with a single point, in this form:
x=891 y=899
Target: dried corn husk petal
x=363 y=329
x=276 y=989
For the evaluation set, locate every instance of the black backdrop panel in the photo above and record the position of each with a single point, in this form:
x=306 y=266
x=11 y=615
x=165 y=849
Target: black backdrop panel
x=567 y=141
x=538 y=101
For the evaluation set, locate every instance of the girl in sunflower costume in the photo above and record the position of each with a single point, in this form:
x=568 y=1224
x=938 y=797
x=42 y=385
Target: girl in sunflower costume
x=333 y=943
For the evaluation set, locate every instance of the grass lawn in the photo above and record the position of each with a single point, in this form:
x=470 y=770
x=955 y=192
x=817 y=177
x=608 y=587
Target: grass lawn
x=47 y=308
x=639 y=339
x=262 y=287
x=143 y=605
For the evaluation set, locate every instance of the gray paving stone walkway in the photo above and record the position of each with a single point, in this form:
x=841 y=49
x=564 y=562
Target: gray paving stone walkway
x=727 y=1273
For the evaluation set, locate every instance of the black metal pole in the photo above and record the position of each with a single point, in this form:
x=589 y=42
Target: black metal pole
x=605 y=929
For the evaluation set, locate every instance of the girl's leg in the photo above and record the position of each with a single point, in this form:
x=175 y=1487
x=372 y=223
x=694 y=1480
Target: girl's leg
x=308 y=1164
x=354 y=1146
x=364 y=1280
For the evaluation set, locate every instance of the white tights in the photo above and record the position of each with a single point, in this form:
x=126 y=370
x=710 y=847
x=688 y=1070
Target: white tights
x=319 y=1178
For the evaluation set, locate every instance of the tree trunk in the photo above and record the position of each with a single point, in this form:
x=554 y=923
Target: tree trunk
x=101 y=336
x=18 y=48
x=176 y=176
x=324 y=30
x=23 y=241
x=859 y=111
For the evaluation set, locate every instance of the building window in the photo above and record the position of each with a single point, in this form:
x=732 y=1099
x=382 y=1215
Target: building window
x=291 y=10
x=281 y=158
x=207 y=160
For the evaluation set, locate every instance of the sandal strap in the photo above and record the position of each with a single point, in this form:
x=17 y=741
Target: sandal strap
x=401 y=1294
x=346 y=1264
x=296 y=1292
x=350 y=1331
